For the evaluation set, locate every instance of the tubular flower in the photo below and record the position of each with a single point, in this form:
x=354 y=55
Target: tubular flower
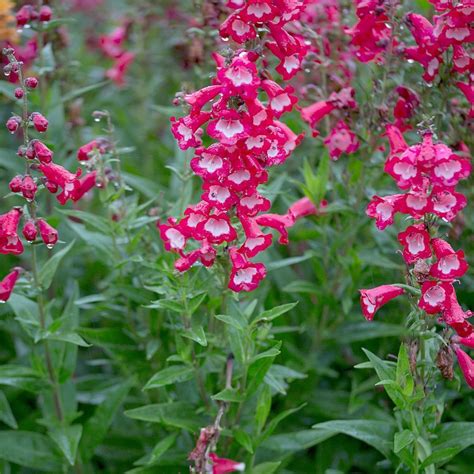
x=10 y=242
x=429 y=172
x=240 y=112
x=8 y=284
x=224 y=466
x=372 y=300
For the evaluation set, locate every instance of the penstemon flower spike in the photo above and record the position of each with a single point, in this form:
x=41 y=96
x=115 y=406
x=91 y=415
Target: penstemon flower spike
x=428 y=173
x=248 y=139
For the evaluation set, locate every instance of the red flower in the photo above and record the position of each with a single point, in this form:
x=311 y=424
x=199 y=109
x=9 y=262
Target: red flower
x=245 y=276
x=416 y=241
x=435 y=296
x=223 y=466
x=450 y=264
x=384 y=209
x=8 y=284
x=48 y=233
x=30 y=232
x=63 y=178
x=373 y=299
x=39 y=122
x=341 y=140
x=466 y=364
x=117 y=72
x=9 y=240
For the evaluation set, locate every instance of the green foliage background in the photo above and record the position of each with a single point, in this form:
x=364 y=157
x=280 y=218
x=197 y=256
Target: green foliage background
x=140 y=352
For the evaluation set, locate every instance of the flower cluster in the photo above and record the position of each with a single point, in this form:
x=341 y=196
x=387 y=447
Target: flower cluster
x=276 y=17
x=41 y=173
x=372 y=33
x=429 y=172
x=248 y=138
x=112 y=46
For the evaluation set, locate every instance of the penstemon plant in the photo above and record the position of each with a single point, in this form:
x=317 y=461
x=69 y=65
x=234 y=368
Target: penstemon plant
x=184 y=273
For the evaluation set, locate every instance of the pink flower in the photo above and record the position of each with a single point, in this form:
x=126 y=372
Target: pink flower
x=30 y=232
x=63 y=178
x=223 y=466
x=48 y=233
x=416 y=242
x=466 y=364
x=112 y=43
x=435 y=296
x=450 y=264
x=217 y=229
x=9 y=239
x=384 y=209
x=42 y=152
x=341 y=140
x=39 y=122
x=172 y=236
x=86 y=183
x=256 y=241
x=373 y=299
x=8 y=284
x=117 y=72
x=28 y=188
x=245 y=276
x=456 y=317
x=83 y=153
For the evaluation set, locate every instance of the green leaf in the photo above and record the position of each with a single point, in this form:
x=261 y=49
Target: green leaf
x=21 y=377
x=404 y=376
x=275 y=422
x=402 y=440
x=84 y=90
x=266 y=468
x=244 y=439
x=32 y=450
x=237 y=323
x=387 y=372
x=98 y=424
x=353 y=332
x=297 y=441
x=229 y=395
x=264 y=405
x=50 y=267
x=259 y=367
x=440 y=457
x=170 y=375
x=273 y=313
x=155 y=455
x=378 y=434
x=456 y=436
x=176 y=414
x=67 y=439
x=195 y=333
x=70 y=337
x=6 y=414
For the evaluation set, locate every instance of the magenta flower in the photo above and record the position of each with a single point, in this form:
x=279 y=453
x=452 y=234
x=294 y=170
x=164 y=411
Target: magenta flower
x=373 y=299
x=9 y=240
x=8 y=284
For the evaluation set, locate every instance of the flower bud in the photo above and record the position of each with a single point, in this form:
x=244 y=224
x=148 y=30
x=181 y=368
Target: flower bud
x=39 y=122
x=15 y=184
x=21 y=150
x=51 y=187
x=48 y=233
x=19 y=93
x=28 y=188
x=31 y=82
x=13 y=123
x=23 y=15
x=30 y=152
x=45 y=13
x=30 y=232
x=42 y=152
